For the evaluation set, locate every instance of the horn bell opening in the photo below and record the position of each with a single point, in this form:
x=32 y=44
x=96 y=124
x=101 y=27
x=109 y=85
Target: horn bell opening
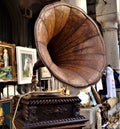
x=70 y=45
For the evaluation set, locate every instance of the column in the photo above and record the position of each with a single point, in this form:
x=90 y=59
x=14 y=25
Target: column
x=80 y=3
x=106 y=15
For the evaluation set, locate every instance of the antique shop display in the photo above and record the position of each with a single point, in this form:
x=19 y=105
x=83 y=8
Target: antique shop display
x=26 y=57
x=70 y=45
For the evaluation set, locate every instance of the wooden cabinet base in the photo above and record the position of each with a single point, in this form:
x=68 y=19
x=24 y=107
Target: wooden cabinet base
x=74 y=126
x=37 y=111
x=19 y=124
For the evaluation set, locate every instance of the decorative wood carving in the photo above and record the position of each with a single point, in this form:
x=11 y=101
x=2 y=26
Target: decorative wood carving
x=48 y=110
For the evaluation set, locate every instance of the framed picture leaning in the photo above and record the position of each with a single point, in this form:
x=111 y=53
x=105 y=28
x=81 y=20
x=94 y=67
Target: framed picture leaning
x=26 y=57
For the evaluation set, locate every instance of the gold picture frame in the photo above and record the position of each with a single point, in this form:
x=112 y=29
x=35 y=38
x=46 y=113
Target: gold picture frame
x=7 y=73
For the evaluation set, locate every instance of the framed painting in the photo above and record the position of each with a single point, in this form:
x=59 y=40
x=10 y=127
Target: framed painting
x=7 y=62
x=45 y=73
x=26 y=57
x=5 y=109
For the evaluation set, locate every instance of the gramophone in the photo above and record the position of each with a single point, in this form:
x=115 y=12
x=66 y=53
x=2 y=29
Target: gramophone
x=70 y=45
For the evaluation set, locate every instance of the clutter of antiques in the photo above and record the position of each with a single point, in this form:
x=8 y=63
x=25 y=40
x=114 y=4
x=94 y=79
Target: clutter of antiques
x=53 y=85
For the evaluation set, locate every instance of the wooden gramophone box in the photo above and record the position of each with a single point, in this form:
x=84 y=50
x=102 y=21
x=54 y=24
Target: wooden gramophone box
x=48 y=110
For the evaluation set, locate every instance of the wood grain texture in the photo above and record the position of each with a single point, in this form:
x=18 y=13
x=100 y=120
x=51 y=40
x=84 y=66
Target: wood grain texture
x=70 y=45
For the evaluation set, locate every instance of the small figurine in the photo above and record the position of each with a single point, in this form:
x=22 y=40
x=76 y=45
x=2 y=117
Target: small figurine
x=9 y=75
x=5 y=58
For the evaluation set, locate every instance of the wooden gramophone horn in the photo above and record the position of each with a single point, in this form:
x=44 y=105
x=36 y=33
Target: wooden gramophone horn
x=70 y=45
